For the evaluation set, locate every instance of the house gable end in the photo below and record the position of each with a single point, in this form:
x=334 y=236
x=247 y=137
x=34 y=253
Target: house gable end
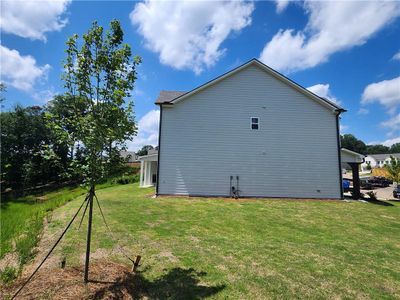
x=254 y=62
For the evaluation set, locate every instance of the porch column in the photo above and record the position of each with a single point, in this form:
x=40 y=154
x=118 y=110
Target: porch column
x=356 y=180
x=141 y=173
x=147 y=174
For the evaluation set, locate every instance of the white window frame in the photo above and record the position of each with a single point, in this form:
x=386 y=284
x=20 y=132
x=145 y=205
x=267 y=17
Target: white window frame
x=251 y=123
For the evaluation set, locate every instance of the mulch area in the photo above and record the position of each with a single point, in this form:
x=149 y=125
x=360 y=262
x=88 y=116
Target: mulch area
x=108 y=280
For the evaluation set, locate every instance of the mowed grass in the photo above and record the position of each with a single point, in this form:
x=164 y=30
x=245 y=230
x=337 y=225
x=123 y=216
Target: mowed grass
x=248 y=249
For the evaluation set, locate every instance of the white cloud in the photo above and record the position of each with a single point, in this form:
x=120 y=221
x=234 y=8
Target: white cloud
x=387 y=143
x=33 y=19
x=20 y=71
x=343 y=128
x=281 y=5
x=363 y=111
x=148 y=131
x=333 y=26
x=386 y=92
x=323 y=91
x=393 y=125
x=44 y=96
x=396 y=56
x=189 y=34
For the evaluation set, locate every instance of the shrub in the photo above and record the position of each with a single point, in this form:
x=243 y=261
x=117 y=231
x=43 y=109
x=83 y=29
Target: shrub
x=126 y=179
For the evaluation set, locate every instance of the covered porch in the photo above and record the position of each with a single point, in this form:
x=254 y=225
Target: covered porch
x=148 y=170
x=353 y=160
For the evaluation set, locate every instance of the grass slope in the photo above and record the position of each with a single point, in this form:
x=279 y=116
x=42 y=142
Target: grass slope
x=247 y=248
x=21 y=219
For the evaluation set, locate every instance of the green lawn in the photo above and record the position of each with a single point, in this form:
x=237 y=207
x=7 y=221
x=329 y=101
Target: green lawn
x=246 y=248
x=21 y=219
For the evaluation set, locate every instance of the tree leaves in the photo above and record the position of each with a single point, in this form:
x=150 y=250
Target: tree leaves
x=99 y=77
x=393 y=169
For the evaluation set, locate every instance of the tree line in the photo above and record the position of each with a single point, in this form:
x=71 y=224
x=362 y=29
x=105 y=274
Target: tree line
x=350 y=142
x=33 y=154
x=78 y=135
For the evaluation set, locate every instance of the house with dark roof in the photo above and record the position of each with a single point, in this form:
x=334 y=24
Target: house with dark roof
x=250 y=132
x=378 y=160
x=129 y=156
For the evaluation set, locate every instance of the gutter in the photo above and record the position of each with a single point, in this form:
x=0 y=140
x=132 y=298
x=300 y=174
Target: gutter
x=159 y=150
x=338 y=112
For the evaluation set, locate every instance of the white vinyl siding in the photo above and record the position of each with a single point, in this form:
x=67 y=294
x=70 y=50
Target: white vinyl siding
x=205 y=139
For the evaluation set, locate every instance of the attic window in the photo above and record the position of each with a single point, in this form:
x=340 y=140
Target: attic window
x=254 y=123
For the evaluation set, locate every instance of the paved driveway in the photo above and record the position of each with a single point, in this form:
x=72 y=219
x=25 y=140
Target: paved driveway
x=382 y=193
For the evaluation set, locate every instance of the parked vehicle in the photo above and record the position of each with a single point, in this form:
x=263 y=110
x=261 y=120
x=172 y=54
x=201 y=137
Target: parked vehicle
x=380 y=181
x=375 y=182
x=384 y=179
x=366 y=184
x=396 y=192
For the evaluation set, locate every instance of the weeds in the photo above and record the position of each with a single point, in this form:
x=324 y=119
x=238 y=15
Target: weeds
x=8 y=275
x=22 y=220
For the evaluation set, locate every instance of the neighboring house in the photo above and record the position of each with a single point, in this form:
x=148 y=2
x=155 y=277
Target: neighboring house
x=130 y=157
x=378 y=160
x=251 y=129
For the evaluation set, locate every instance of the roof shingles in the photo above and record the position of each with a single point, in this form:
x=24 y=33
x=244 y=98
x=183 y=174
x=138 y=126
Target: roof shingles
x=168 y=96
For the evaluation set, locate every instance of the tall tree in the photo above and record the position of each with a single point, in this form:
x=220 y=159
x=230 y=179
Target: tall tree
x=145 y=149
x=30 y=154
x=3 y=89
x=99 y=76
x=395 y=148
x=62 y=111
x=350 y=142
x=377 y=149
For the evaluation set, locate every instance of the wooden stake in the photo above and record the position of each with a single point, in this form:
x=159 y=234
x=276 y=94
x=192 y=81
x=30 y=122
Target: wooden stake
x=136 y=263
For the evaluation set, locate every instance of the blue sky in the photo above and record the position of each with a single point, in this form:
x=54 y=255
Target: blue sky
x=346 y=51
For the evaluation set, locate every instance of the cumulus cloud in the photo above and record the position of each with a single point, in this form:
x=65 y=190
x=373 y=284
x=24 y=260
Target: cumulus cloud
x=323 y=91
x=387 y=143
x=363 y=111
x=393 y=125
x=333 y=26
x=44 y=96
x=189 y=34
x=396 y=56
x=20 y=71
x=33 y=19
x=281 y=5
x=386 y=92
x=148 y=131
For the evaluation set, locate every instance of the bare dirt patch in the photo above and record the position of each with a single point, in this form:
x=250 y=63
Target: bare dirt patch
x=108 y=281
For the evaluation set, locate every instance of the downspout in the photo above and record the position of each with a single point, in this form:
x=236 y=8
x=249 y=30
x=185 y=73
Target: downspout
x=338 y=112
x=158 y=154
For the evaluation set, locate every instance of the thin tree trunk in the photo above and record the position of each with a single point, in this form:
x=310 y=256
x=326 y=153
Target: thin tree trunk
x=89 y=233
